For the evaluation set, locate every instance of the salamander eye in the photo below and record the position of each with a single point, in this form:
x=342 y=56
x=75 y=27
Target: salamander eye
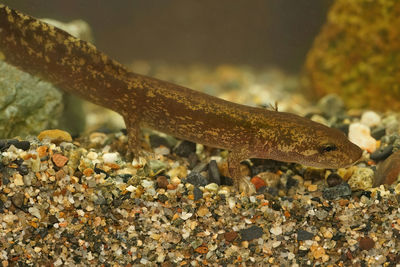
x=328 y=148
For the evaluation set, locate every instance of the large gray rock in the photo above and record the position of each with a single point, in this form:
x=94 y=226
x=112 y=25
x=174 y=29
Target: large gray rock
x=29 y=105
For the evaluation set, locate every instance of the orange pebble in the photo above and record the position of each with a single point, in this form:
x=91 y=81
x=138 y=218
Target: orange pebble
x=88 y=172
x=171 y=187
x=42 y=151
x=202 y=250
x=59 y=160
x=113 y=166
x=258 y=182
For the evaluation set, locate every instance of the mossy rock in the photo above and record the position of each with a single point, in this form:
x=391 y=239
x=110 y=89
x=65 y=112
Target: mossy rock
x=357 y=55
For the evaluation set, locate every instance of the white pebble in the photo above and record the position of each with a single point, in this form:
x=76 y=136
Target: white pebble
x=370 y=118
x=360 y=135
x=162 y=150
x=276 y=244
x=185 y=215
x=35 y=212
x=276 y=230
x=130 y=188
x=110 y=157
x=18 y=179
x=147 y=184
x=213 y=187
x=92 y=155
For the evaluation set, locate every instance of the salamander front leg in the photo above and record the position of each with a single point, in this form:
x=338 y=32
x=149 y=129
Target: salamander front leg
x=239 y=180
x=133 y=129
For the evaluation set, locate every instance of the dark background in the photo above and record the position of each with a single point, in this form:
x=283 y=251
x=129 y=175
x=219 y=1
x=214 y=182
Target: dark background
x=254 y=32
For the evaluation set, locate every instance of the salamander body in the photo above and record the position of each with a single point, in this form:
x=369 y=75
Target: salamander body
x=247 y=132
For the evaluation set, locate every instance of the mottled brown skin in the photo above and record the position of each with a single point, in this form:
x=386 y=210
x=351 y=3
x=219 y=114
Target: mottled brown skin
x=78 y=67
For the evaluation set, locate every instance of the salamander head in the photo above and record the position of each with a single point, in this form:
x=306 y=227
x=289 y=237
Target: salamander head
x=312 y=144
x=329 y=148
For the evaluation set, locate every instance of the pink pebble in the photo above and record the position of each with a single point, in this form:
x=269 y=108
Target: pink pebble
x=360 y=135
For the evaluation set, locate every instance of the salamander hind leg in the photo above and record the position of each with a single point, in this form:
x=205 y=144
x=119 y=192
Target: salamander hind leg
x=240 y=181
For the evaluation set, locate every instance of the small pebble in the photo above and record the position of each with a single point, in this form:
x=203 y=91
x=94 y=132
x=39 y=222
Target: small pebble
x=361 y=179
x=270 y=179
x=213 y=187
x=196 y=179
x=276 y=230
x=251 y=233
x=370 y=118
x=18 y=179
x=6 y=143
x=202 y=211
x=360 y=135
x=97 y=138
x=110 y=157
x=303 y=235
x=18 y=200
x=175 y=180
x=162 y=182
x=185 y=148
x=366 y=243
x=335 y=192
x=381 y=153
x=162 y=150
x=378 y=132
x=230 y=236
x=35 y=212
x=257 y=182
x=334 y=179
x=59 y=160
x=55 y=136
x=312 y=188
x=213 y=173
x=156 y=141
x=92 y=155
x=198 y=194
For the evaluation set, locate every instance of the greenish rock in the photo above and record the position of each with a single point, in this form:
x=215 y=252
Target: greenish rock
x=29 y=105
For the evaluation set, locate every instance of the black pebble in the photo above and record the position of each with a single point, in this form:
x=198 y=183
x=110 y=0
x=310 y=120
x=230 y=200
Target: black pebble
x=23 y=169
x=192 y=159
x=53 y=219
x=6 y=143
x=378 y=133
x=1 y=206
x=382 y=153
x=251 y=233
x=198 y=194
x=18 y=200
x=226 y=181
x=304 y=235
x=339 y=191
x=163 y=198
x=98 y=171
x=6 y=181
x=184 y=148
x=291 y=182
x=196 y=179
x=334 y=179
x=156 y=141
x=213 y=173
